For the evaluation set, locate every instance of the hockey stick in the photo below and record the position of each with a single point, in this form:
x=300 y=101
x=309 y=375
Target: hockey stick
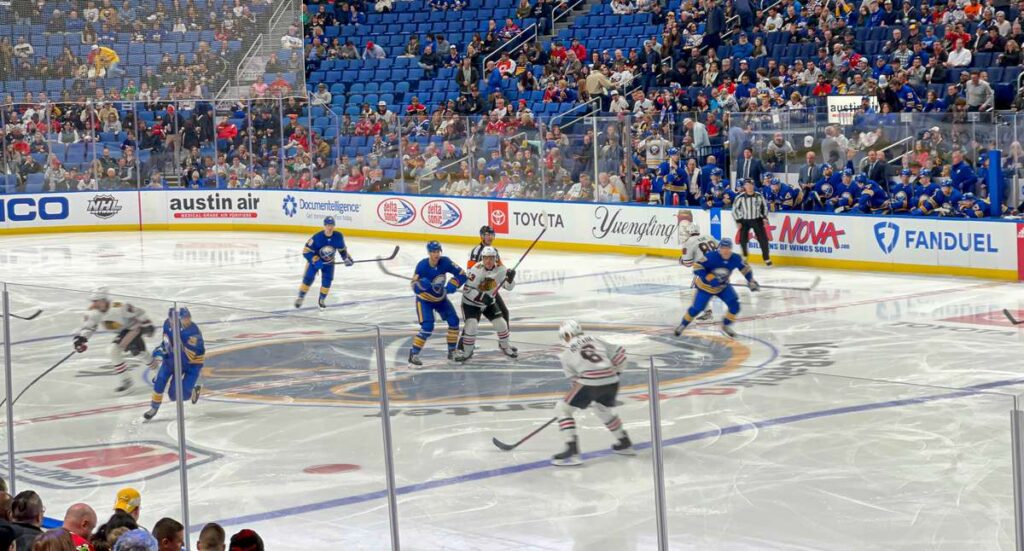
x=814 y=283
x=41 y=375
x=380 y=264
x=542 y=232
x=29 y=317
x=508 y=447
x=392 y=256
x=1010 y=317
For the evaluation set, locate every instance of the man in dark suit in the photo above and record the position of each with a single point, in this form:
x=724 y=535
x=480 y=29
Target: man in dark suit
x=874 y=166
x=749 y=166
x=715 y=25
x=810 y=173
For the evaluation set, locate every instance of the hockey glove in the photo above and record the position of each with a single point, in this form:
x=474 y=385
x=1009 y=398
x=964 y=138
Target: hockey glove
x=754 y=286
x=348 y=261
x=510 y=276
x=451 y=287
x=318 y=264
x=80 y=344
x=486 y=299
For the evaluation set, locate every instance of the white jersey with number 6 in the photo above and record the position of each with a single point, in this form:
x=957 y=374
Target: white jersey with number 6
x=593 y=362
x=696 y=248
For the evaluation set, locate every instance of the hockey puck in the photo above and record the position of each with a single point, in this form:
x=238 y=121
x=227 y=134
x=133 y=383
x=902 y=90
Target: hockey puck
x=331 y=468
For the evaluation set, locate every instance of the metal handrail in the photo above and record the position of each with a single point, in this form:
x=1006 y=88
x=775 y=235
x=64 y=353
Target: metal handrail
x=895 y=144
x=567 y=10
x=561 y=117
x=500 y=49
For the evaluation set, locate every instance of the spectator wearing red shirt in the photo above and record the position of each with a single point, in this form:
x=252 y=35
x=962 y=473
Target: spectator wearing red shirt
x=79 y=522
x=226 y=130
x=958 y=33
x=280 y=86
x=823 y=88
x=579 y=49
x=494 y=126
x=356 y=180
x=558 y=51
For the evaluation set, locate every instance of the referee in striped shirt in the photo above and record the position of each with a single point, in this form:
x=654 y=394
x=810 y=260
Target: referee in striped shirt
x=751 y=213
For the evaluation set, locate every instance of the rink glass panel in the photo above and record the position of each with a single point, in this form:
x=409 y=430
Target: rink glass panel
x=787 y=457
x=457 y=490
x=291 y=405
x=76 y=438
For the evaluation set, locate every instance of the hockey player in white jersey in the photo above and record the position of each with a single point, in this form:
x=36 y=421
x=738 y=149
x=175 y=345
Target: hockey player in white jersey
x=480 y=296
x=694 y=248
x=131 y=324
x=593 y=366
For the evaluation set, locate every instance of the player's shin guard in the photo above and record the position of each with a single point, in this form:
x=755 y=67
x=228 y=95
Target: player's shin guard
x=610 y=420
x=468 y=339
x=452 y=338
x=419 y=340
x=503 y=334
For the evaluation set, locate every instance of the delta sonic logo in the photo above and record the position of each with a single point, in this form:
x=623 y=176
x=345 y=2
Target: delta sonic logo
x=113 y=464
x=292 y=206
x=806 y=235
x=103 y=206
x=215 y=205
x=313 y=367
x=396 y=212
x=889 y=236
x=441 y=214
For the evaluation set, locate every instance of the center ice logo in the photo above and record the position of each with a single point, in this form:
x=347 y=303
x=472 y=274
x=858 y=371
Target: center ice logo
x=103 y=465
x=886 y=235
x=289 y=206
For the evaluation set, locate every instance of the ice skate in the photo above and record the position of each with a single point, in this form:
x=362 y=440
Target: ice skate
x=624 y=446
x=414 y=359
x=679 y=329
x=705 y=315
x=568 y=458
x=462 y=357
x=195 y=393
x=510 y=351
x=298 y=302
x=150 y=414
x=322 y=303
x=728 y=331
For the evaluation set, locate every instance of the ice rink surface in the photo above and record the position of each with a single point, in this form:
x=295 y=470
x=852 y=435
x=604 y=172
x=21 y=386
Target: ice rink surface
x=869 y=413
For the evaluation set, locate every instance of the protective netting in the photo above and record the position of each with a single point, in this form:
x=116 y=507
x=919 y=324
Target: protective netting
x=181 y=49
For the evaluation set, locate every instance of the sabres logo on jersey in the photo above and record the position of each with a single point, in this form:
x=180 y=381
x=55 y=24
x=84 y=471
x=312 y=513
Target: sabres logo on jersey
x=439 y=282
x=827 y=190
x=327 y=252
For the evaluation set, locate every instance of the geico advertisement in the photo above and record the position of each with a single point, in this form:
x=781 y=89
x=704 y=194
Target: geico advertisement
x=71 y=209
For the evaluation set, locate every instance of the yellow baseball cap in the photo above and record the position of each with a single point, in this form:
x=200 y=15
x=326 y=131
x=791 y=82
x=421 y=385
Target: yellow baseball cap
x=128 y=499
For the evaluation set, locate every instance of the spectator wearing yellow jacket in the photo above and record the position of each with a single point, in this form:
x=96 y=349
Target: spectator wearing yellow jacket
x=103 y=61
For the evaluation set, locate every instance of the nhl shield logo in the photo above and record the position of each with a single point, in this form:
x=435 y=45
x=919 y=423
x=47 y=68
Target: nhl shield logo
x=104 y=206
x=886 y=235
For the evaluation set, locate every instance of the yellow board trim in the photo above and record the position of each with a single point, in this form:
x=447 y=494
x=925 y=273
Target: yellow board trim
x=831 y=263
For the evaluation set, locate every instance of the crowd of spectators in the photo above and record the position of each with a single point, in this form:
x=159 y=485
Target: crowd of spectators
x=96 y=36
x=22 y=528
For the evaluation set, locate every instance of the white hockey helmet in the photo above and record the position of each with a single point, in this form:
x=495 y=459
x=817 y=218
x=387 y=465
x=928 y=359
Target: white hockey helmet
x=100 y=293
x=489 y=251
x=569 y=329
x=694 y=228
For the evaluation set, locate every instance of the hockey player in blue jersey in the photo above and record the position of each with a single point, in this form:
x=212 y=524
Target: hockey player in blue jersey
x=942 y=203
x=845 y=194
x=926 y=186
x=191 y=355
x=673 y=189
x=902 y=194
x=712 y=279
x=824 y=188
x=970 y=207
x=782 y=197
x=432 y=287
x=319 y=253
x=720 y=197
x=870 y=197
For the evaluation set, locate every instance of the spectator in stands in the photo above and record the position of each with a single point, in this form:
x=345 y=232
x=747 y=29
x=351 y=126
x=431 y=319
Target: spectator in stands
x=373 y=51
x=136 y=539
x=245 y=540
x=23 y=49
x=211 y=538
x=27 y=518
x=79 y=522
x=429 y=62
x=322 y=96
x=778 y=152
x=978 y=93
x=959 y=57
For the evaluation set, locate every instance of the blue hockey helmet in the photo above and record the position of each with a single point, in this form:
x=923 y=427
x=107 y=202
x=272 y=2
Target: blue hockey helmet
x=182 y=313
x=725 y=243
x=847 y=172
x=947 y=183
x=969 y=196
x=329 y=221
x=673 y=151
x=925 y=173
x=716 y=172
x=776 y=182
x=826 y=166
x=767 y=176
x=433 y=246
x=906 y=172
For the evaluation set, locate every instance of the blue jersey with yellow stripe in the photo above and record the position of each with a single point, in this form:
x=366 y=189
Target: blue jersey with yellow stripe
x=430 y=282
x=193 y=351
x=712 y=275
x=323 y=247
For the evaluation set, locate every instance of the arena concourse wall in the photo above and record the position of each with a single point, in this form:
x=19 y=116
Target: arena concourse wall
x=992 y=249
